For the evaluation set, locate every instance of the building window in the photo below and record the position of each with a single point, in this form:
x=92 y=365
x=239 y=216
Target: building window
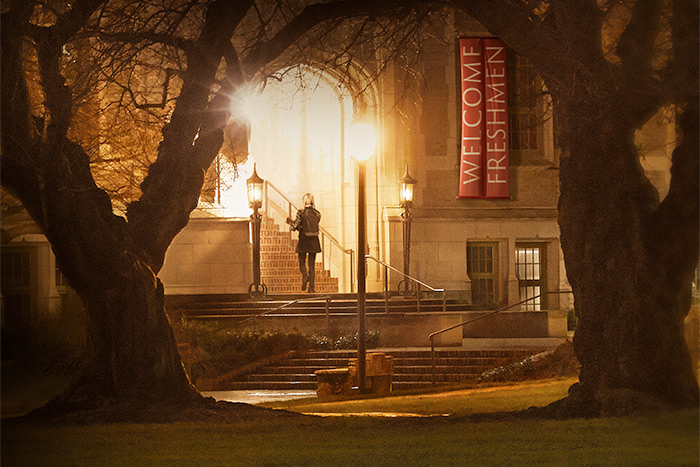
x=16 y=286
x=523 y=131
x=482 y=268
x=15 y=269
x=529 y=268
x=525 y=90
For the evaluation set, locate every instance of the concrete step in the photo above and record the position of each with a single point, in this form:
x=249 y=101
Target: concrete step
x=279 y=385
x=412 y=368
x=281 y=377
x=457 y=370
x=316 y=362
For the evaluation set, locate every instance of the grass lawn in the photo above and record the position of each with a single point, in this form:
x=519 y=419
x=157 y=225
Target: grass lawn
x=454 y=402
x=668 y=439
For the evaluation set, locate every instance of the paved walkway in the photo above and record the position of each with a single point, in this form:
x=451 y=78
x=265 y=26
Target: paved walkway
x=257 y=396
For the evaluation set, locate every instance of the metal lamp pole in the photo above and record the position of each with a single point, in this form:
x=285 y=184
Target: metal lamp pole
x=363 y=140
x=406 y=202
x=254 y=185
x=361 y=277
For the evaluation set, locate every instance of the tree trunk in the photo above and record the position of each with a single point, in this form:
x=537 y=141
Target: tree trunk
x=630 y=273
x=131 y=367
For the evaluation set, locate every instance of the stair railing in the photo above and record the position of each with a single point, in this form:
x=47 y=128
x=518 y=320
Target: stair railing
x=432 y=335
x=327 y=298
x=325 y=237
x=418 y=283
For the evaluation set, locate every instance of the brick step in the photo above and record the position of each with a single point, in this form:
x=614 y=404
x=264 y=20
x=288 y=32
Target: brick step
x=336 y=303
x=288 y=312
x=418 y=372
x=280 y=254
x=442 y=369
x=276 y=263
x=412 y=368
x=298 y=369
x=448 y=361
x=275 y=240
x=282 y=248
x=281 y=377
x=320 y=289
x=274 y=385
x=294 y=274
x=316 y=362
x=267 y=233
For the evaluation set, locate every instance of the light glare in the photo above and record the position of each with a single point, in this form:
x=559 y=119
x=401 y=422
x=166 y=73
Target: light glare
x=362 y=141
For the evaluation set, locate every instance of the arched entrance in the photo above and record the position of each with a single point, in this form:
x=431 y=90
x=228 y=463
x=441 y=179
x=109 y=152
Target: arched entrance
x=298 y=126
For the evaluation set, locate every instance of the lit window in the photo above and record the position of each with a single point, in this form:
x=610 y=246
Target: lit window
x=530 y=272
x=482 y=268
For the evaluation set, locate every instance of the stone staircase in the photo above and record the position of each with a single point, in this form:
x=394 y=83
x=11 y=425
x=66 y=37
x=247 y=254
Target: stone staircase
x=412 y=368
x=238 y=307
x=279 y=263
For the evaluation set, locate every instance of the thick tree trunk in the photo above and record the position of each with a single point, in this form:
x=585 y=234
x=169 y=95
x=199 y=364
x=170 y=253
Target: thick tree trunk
x=131 y=360
x=631 y=280
x=629 y=258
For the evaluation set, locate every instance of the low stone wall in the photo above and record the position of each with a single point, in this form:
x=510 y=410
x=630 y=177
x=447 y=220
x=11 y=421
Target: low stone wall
x=209 y=256
x=412 y=329
x=511 y=324
x=395 y=330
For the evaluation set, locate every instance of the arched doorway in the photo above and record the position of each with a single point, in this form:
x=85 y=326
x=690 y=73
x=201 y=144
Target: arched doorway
x=297 y=140
x=298 y=124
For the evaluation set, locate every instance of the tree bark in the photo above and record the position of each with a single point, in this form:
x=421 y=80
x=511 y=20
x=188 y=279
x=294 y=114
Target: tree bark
x=631 y=282
x=132 y=366
x=629 y=258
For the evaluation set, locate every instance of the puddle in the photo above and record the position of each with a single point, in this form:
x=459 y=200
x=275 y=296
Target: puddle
x=377 y=414
x=258 y=396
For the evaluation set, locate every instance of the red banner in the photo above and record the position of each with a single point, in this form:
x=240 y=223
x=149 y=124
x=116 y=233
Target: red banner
x=484 y=148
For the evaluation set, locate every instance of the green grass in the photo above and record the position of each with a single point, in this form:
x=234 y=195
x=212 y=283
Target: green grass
x=668 y=439
x=456 y=402
x=25 y=389
x=671 y=439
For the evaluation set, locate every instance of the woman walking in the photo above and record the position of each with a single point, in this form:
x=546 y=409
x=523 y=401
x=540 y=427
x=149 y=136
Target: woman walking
x=306 y=223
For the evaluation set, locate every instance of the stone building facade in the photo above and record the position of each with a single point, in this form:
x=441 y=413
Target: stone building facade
x=490 y=252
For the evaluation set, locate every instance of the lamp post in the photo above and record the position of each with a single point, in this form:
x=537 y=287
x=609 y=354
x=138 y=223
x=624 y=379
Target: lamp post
x=406 y=202
x=255 y=188
x=362 y=146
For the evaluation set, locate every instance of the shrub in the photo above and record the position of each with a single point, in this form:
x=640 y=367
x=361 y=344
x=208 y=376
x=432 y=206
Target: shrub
x=225 y=349
x=54 y=345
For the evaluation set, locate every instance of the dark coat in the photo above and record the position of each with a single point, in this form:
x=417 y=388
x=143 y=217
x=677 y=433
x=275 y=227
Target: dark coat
x=306 y=244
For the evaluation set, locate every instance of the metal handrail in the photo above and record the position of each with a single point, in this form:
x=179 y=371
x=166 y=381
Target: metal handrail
x=324 y=233
x=432 y=335
x=327 y=298
x=418 y=283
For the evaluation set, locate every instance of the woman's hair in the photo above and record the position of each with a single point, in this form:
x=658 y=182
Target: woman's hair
x=308 y=200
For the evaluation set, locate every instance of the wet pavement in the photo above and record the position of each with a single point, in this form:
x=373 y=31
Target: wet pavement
x=257 y=396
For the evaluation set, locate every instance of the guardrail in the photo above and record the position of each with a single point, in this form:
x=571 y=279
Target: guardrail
x=327 y=298
x=432 y=335
x=325 y=237
x=418 y=283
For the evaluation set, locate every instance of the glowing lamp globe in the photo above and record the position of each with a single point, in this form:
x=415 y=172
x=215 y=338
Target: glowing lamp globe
x=255 y=189
x=362 y=141
x=406 y=191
